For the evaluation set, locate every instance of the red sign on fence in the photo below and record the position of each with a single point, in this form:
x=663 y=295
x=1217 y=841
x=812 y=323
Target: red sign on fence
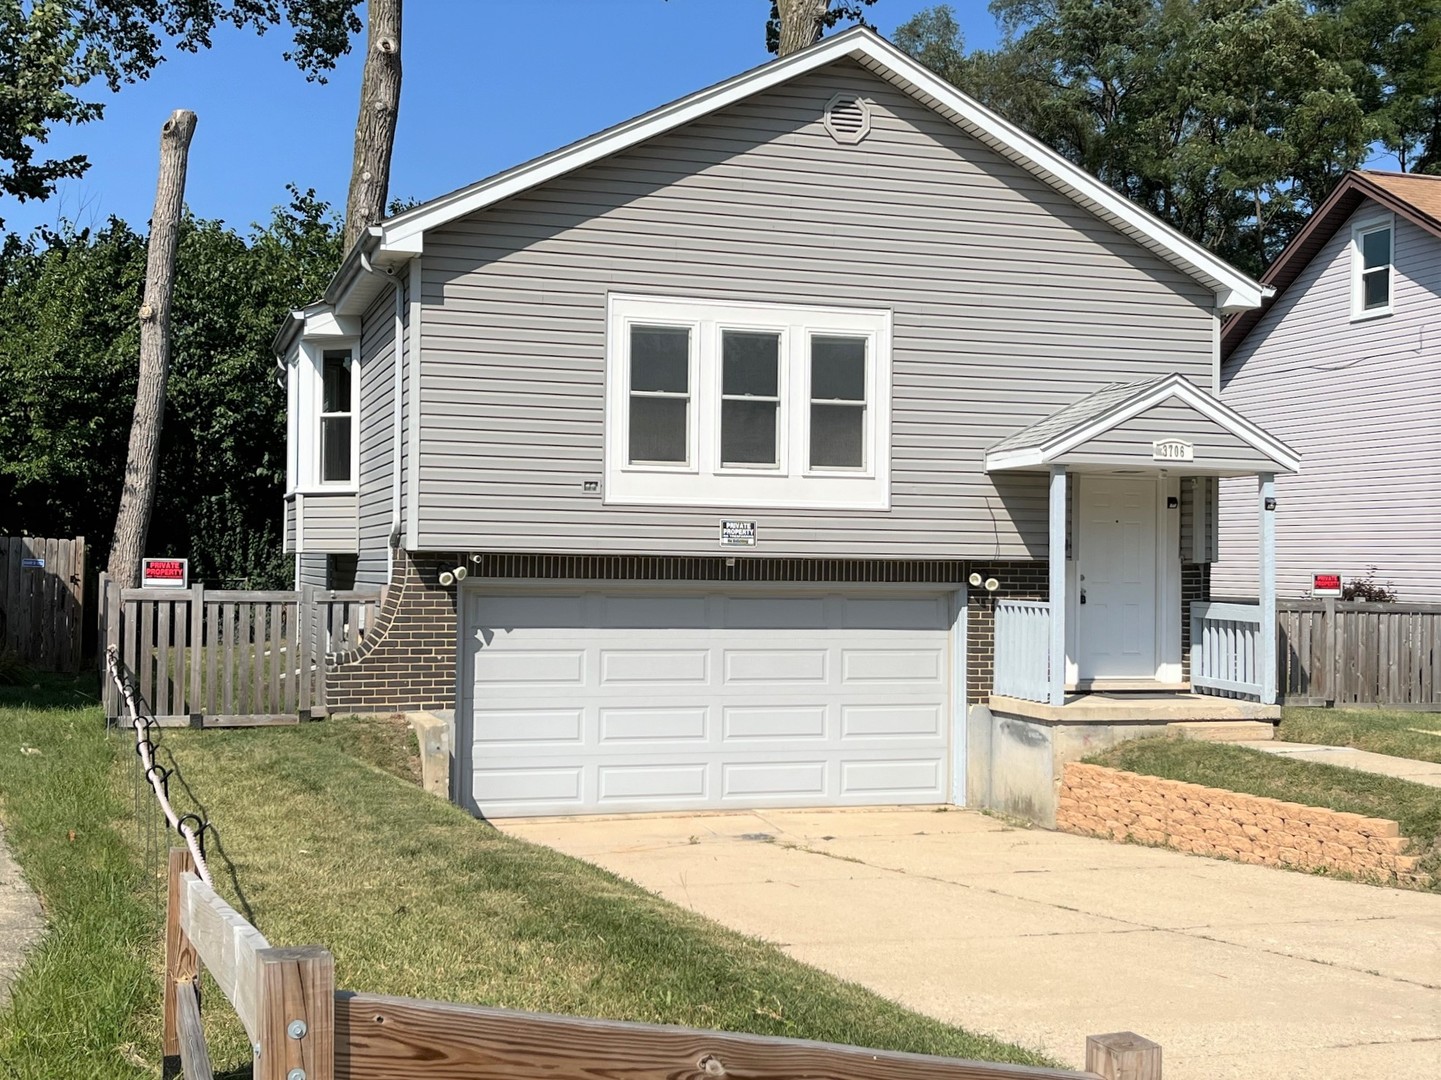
x=165 y=574
x=1325 y=584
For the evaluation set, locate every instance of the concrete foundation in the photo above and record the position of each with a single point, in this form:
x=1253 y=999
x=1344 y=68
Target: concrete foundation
x=1017 y=749
x=432 y=732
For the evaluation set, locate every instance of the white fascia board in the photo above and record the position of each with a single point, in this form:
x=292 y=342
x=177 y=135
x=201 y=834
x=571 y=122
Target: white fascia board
x=321 y=322
x=1234 y=290
x=1028 y=458
x=1179 y=387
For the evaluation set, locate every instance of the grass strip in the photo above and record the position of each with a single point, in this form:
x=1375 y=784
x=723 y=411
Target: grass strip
x=1401 y=734
x=319 y=841
x=1416 y=807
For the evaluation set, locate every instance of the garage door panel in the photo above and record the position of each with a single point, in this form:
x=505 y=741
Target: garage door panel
x=689 y=701
x=654 y=666
x=659 y=724
x=891 y=721
x=775 y=666
x=771 y=723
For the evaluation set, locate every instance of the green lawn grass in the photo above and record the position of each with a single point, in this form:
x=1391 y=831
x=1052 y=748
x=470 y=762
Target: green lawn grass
x=1416 y=807
x=1400 y=734
x=320 y=841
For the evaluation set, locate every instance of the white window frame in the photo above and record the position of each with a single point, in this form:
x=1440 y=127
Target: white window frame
x=308 y=396
x=702 y=480
x=1359 y=230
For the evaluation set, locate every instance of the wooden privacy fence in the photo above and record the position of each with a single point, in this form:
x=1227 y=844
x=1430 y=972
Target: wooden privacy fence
x=42 y=601
x=302 y=1028
x=219 y=657
x=1334 y=652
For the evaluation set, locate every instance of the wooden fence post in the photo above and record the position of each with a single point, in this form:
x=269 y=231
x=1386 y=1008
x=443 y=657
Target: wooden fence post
x=197 y=652
x=1123 y=1055
x=181 y=963
x=297 y=1015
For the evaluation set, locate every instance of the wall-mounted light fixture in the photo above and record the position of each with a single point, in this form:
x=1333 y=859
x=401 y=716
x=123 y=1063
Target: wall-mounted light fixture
x=450 y=577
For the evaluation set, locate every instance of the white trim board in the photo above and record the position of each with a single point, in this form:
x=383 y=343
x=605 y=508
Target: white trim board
x=404 y=235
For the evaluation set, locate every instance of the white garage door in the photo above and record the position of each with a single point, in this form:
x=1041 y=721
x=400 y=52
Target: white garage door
x=618 y=701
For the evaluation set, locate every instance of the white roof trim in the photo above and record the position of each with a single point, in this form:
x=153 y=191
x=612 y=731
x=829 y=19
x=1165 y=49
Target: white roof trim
x=404 y=234
x=1175 y=386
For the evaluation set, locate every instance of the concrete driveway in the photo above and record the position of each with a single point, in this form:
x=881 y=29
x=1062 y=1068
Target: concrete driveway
x=1042 y=938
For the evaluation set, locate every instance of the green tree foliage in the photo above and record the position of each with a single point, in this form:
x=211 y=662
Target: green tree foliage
x=68 y=340
x=1231 y=119
x=50 y=49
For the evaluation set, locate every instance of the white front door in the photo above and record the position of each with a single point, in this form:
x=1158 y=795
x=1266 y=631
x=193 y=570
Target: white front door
x=1116 y=564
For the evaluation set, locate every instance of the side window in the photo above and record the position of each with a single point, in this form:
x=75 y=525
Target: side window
x=660 y=395
x=750 y=398
x=336 y=417
x=1372 y=259
x=838 y=402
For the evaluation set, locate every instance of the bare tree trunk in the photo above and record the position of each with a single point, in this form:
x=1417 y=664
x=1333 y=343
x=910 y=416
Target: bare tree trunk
x=137 y=498
x=375 y=127
x=800 y=23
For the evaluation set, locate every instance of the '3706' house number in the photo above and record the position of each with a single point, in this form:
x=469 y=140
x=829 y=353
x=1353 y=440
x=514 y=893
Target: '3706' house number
x=1172 y=450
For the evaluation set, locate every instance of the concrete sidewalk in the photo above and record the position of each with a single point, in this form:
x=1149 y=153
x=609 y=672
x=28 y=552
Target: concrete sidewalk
x=21 y=921
x=1347 y=757
x=1043 y=938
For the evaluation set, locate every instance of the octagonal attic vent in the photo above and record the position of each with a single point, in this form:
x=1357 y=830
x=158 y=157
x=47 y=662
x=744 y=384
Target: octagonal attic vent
x=848 y=118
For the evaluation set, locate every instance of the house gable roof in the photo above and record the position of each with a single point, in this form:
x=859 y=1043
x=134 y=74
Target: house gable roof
x=400 y=238
x=1049 y=440
x=1414 y=197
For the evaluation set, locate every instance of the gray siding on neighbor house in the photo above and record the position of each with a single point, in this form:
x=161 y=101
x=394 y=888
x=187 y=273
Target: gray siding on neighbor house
x=311 y=570
x=1361 y=403
x=327 y=522
x=288 y=546
x=376 y=475
x=1130 y=441
x=1009 y=302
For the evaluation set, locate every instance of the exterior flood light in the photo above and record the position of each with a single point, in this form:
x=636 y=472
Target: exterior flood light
x=992 y=584
x=976 y=580
x=447 y=578
x=461 y=573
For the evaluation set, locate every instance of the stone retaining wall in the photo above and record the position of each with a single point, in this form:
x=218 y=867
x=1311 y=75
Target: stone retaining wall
x=1112 y=804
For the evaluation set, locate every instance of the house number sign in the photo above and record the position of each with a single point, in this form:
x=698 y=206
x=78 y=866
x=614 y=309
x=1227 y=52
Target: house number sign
x=1172 y=450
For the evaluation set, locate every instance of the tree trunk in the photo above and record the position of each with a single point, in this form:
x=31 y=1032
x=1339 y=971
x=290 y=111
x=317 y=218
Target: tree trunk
x=137 y=498
x=375 y=127
x=800 y=23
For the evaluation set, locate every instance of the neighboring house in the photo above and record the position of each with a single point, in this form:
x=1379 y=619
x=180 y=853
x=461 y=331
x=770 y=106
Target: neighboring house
x=723 y=410
x=1345 y=365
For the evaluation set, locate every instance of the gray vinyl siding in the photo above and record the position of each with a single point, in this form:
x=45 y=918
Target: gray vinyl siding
x=1009 y=302
x=289 y=544
x=1361 y=403
x=1198 y=490
x=1131 y=441
x=312 y=571
x=327 y=523
x=377 y=438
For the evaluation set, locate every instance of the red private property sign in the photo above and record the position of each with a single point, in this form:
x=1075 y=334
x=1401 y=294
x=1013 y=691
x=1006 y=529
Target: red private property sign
x=1325 y=584
x=165 y=574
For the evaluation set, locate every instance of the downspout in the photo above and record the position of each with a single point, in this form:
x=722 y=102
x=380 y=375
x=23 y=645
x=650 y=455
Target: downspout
x=397 y=432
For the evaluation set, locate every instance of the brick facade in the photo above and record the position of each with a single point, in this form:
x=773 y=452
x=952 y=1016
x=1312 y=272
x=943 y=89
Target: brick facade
x=407 y=660
x=1018 y=581
x=1109 y=803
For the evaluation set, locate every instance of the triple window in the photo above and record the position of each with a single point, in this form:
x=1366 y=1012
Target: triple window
x=768 y=404
x=1372 y=264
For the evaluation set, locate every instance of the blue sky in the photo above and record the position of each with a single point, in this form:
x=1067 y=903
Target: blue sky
x=487 y=84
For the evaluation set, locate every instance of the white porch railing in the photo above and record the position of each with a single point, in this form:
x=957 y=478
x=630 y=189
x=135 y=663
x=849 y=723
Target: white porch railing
x=1226 y=650
x=1023 y=649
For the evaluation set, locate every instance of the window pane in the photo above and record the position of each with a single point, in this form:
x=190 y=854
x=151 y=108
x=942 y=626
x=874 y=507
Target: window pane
x=1376 y=288
x=748 y=432
x=657 y=429
x=335 y=449
x=838 y=368
x=750 y=363
x=1376 y=248
x=336 y=394
x=660 y=359
x=838 y=436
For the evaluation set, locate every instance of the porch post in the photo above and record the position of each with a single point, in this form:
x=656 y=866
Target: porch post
x=1266 y=646
x=1057 y=566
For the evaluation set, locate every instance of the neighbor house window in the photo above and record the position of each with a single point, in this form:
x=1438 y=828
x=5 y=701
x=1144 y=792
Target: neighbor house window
x=336 y=417
x=715 y=403
x=1372 y=265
